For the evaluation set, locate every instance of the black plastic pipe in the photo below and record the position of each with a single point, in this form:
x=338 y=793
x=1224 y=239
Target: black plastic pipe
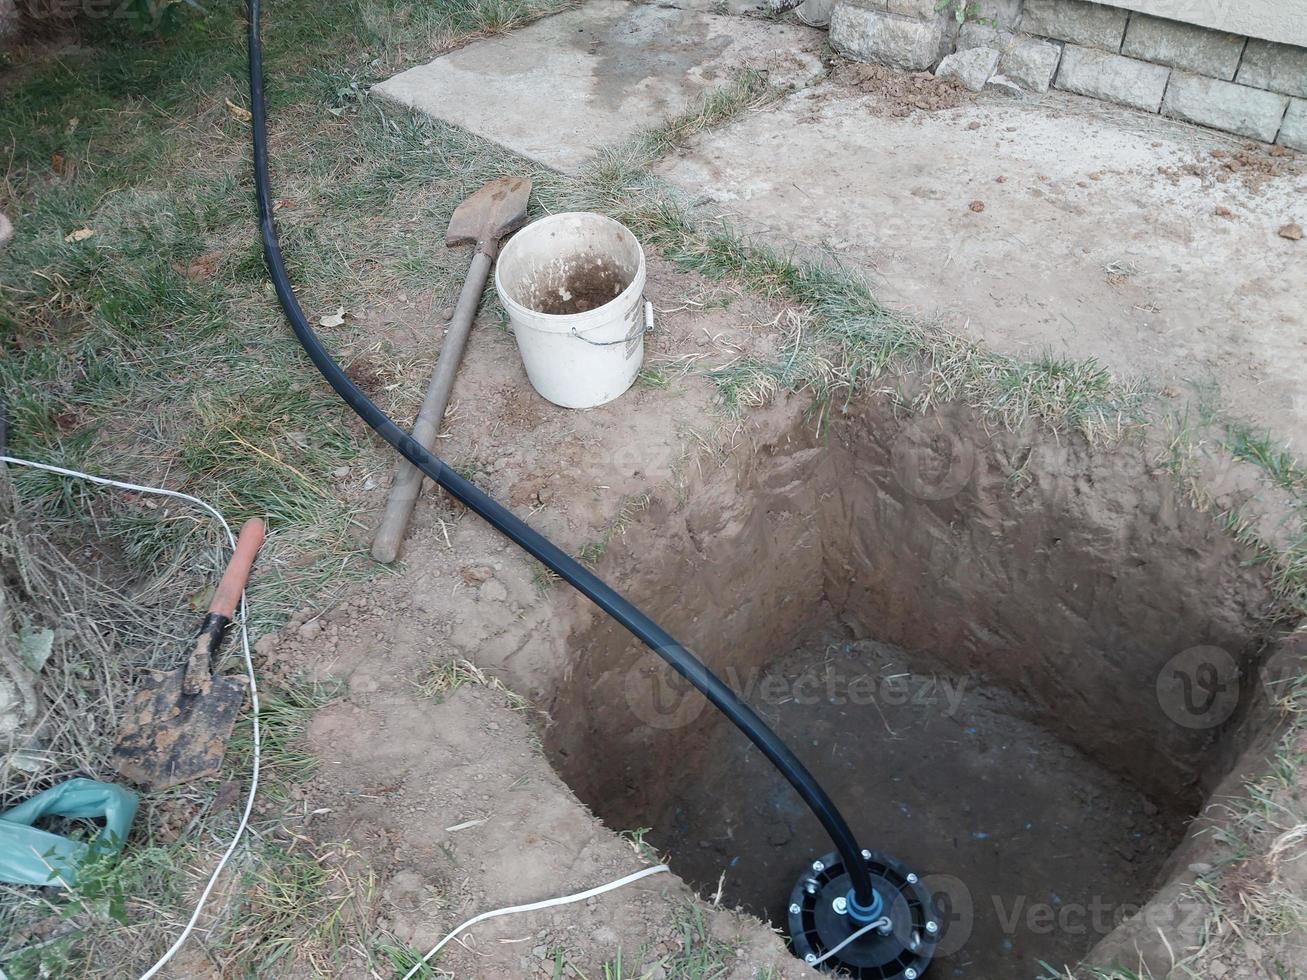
x=518 y=531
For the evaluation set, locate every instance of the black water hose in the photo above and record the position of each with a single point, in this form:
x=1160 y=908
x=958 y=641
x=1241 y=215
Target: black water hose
x=518 y=531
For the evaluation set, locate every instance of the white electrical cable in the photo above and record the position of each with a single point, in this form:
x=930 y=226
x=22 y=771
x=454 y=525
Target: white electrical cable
x=249 y=672
x=546 y=904
x=882 y=923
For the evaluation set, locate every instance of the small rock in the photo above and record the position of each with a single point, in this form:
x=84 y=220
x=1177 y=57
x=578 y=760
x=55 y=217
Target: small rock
x=476 y=574
x=1030 y=63
x=447 y=314
x=1200 y=868
x=971 y=68
x=266 y=644
x=974 y=124
x=310 y=630
x=1004 y=85
x=977 y=206
x=340 y=472
x=369 y=484
x=1292 y=231
x=982 y=34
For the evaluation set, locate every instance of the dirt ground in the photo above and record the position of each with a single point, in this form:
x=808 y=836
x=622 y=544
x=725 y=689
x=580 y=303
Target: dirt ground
x=451 y=799
x=1061 y=224
x=441 y=785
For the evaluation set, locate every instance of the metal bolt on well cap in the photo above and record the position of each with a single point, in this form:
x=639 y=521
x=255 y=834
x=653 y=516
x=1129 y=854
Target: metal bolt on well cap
x=932 y=927
x=795 y=909
x=840 y=905
x=812 y=958
x=910 y=974
x=866 y=855
x=912 y=878
x=818 y=866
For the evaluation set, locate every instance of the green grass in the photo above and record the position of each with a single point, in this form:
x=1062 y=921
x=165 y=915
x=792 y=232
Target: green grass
x=1247 y=443
x=152 y=350
x=297 y=906
x=700 y=956
x=284 y=719
x=115 y=907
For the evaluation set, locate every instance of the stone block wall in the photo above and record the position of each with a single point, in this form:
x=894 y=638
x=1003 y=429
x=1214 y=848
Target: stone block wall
x=1250 y=87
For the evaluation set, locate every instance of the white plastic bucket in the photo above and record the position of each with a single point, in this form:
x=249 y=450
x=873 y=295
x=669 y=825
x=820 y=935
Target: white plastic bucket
x=573 y=286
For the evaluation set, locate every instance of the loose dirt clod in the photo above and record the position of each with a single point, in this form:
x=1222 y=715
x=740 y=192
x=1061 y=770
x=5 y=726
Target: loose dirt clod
x=1292 y=231
x=902 y=93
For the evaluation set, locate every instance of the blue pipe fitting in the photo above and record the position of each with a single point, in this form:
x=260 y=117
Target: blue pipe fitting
x=863 y=914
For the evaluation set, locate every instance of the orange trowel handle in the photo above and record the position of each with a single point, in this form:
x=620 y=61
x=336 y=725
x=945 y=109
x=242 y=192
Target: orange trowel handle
x=228 y=593
x=222 y=610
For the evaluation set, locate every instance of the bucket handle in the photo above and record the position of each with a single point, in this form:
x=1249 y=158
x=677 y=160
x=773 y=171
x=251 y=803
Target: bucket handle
x=630 y=337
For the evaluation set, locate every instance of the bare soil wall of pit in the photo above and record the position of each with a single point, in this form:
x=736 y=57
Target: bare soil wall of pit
x=1062 y=578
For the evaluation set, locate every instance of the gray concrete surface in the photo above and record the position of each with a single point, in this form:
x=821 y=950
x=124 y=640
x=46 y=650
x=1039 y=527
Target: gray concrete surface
x=1275 y=20
x=567 y=86
x=1095 y=239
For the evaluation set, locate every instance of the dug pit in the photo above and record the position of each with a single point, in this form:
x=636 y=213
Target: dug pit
x=1012 y=661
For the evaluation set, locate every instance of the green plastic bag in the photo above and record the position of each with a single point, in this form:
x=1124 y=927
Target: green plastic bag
x=35 y=857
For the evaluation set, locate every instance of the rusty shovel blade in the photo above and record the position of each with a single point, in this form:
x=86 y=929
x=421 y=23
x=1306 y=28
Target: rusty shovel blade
x=174 y=737
x=497 y=209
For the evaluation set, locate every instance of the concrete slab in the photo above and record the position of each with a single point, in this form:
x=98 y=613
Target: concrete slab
x=561 y=89
x=1067 y=226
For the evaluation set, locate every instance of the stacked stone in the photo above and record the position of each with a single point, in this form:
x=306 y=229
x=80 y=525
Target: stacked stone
x=1241 y=85
x=909 y=34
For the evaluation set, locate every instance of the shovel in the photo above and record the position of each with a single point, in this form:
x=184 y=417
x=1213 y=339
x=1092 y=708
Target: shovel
x=181 y=719
x=492 y=213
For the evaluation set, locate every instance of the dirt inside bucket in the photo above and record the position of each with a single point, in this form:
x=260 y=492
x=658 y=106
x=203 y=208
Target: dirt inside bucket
x=574 y=284
x=976 y=667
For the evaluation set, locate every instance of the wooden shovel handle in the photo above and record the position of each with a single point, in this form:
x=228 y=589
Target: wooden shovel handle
x=228 y=593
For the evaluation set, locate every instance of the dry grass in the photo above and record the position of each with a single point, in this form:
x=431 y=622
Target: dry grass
x=442 y=678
